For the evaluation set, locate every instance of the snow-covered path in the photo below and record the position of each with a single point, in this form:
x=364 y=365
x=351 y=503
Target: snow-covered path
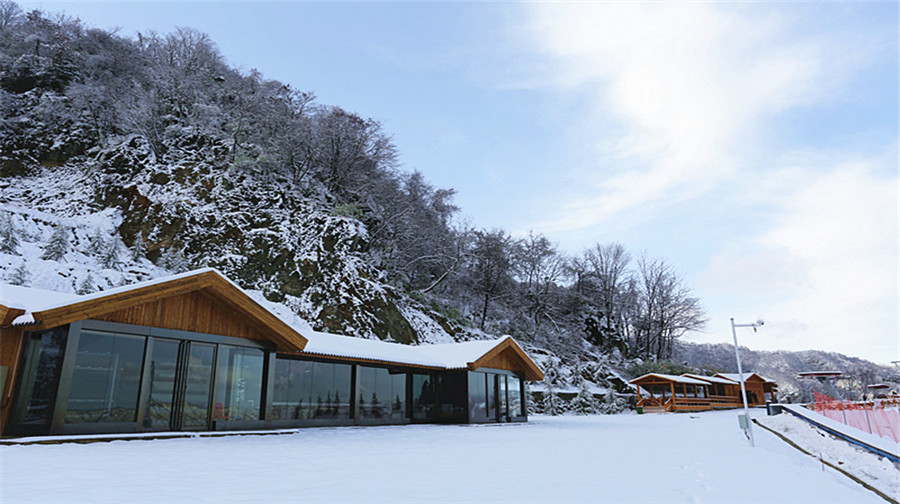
x=620 y=458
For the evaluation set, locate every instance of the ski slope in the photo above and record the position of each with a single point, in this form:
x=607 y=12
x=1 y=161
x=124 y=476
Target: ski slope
x=691 y=458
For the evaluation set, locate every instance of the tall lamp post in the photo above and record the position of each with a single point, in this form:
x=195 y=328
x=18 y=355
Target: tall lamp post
x=737 y=356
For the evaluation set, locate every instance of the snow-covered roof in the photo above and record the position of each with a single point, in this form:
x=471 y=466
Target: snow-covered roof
x=711 y=379
x=38 y=304
x=31 y=299
x=736 y=378
x=446 y=356
x=37 y=300
x=672 y=378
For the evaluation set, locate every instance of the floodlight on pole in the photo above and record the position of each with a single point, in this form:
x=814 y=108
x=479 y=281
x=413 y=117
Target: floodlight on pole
x=737 y=356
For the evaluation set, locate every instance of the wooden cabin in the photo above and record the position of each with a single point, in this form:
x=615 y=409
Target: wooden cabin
x=194 y=352
x=760 y=390
x=688 y=392
x=658 y=392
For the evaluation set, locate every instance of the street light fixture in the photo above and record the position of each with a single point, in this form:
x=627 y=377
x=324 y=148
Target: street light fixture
x=737 y=356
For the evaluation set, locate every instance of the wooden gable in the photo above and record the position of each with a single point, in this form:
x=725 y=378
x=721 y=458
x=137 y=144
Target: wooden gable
x=203 y=302
x=509 y=356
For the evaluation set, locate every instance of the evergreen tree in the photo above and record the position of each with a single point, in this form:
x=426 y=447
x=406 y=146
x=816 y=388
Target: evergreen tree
x=138 y=249
x=109 y=256
x=9 y=239
x=584 y=403
x=173 y=260
x=612 y=403
x=58 y=244
x=97 y=243
x=86 y=286
x=552 y=404
x=20 y=276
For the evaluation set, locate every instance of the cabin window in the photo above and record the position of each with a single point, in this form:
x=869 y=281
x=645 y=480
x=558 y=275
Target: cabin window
x=239 y=383
x=515 y=396
x=381 y=394
x=451 y=394
x=308 y=390
x=106 y=379
x=478 y=408
x=423 y=396
x=40 y=377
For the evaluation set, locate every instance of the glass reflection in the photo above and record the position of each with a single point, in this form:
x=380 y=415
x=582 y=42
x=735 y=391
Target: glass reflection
x=198 y=385
x=239 y=378
x=163 y=363
x=106 y=378
x=307 y=390
x=381 y=394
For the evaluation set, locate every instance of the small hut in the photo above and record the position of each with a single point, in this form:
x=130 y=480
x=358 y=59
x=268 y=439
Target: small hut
x=663 y=392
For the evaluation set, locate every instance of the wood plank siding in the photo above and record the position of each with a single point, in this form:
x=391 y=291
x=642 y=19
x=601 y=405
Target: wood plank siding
x=193 y=312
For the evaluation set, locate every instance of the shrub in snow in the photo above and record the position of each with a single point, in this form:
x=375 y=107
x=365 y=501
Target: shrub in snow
x=20 y=276
x=9 y=239
x=552 y=403
x=58 y=244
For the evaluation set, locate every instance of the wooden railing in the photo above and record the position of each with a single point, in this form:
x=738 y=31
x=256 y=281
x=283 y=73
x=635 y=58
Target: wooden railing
x=691 y=403
x=723 y=402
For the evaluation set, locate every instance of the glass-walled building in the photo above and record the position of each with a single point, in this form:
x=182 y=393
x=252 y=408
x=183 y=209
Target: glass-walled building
x=136 y=360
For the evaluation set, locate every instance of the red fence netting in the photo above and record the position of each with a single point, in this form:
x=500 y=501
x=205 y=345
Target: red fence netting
x=879 y=417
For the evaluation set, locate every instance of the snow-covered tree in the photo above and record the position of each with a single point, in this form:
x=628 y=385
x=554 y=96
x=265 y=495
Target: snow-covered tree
x=9 y=234
x=97 y=243
x=86 y=286
x=20 y=276
x=138 y=251
x=58 y=245
x=109 y=256
x=552 y=404
x=584 y=402
x=612 y=403
x=173 y=260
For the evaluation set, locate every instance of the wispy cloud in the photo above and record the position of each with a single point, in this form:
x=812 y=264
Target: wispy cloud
x=687 y=103
x=674 y=94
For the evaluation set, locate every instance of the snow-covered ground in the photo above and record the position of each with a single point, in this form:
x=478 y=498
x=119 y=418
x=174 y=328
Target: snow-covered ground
x=691 y=458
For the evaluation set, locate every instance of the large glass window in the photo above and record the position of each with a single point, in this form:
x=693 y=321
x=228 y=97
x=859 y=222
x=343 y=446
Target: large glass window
x=239 y=378
x=515 y=396
x=451 y=394
x=478 y=397
x=106 y=378
x=423 y=397
x=381 y=393
x=197 y=386
x=40 y=378
x=163 y=363
x=504 y=404
x=307 y=390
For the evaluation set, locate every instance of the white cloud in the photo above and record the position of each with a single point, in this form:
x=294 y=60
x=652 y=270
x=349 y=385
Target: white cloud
x=677 y=92
x=825 y=274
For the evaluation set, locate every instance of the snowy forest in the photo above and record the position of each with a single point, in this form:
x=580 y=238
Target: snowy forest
x=125 y=159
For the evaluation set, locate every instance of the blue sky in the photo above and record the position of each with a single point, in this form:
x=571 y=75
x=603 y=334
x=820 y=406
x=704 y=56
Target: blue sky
x=753 y=145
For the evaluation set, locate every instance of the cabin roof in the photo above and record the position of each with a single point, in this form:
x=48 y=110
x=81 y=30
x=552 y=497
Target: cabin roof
x=735 y=378
x=711 y=379
x=464 y=355
x=45 y=309
x=667 y=377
